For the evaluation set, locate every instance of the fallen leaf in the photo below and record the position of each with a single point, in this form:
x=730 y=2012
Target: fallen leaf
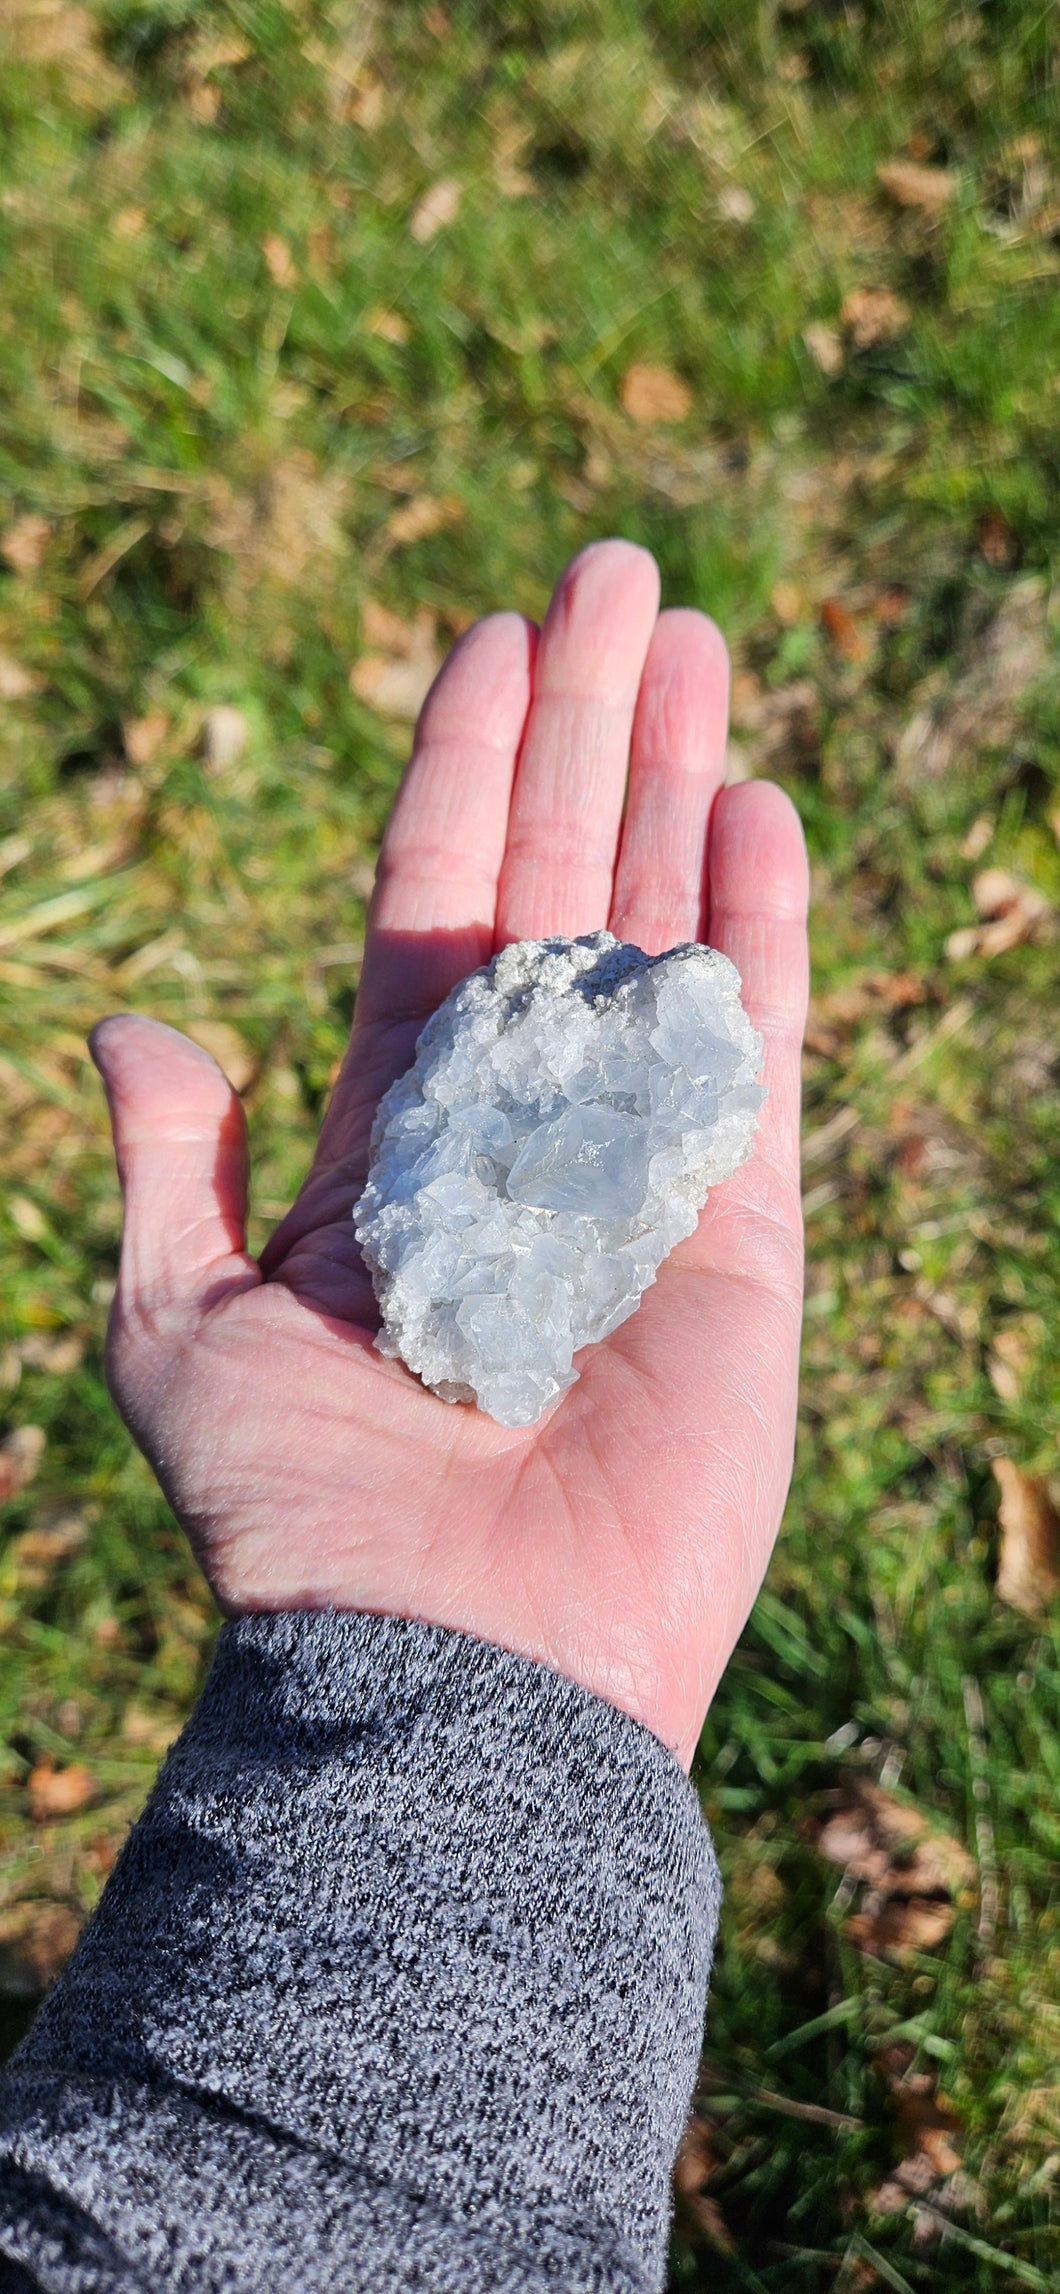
x=1010 y=1358
x=1014 y=911
x=279 y=260
x=695 y=2165
x=510 y=173
x=129 y=222
x=997 y=540
x=224 y=737
x=388 y=325
x=20 y=1455
x=977 y=837
x=841 y=627
x=386 y=632
x=23 y=545
x=143 y=736
x=438 y=207
x=27 y=1218
x=928 y=188
x=424 y=514
x=204 y=102
x=825 y=348
x=873 y=315
x=1028 y=1572
x=36 y=1940
x=781 y=722
x=900 y=1926
x=154 y=1731
x=396 y=672
x=891 y=605
x=64 y=39
x=396 y=688
x=37 y=1553
x=735 y=204
x=227 y=1047
x=216 y=52
x=655 y=394
x=16 y=683
x=831 y=1016
x=365 y=105
x=59 y=1791
x=788 y=603
x=913 y=1872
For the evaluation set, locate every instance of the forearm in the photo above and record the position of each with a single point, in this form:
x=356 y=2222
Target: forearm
x=399 y=1984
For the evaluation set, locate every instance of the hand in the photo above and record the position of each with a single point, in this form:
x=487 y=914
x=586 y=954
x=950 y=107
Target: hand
x=621 y=1540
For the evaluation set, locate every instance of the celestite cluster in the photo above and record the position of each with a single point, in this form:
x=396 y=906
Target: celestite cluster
x=567 y=1111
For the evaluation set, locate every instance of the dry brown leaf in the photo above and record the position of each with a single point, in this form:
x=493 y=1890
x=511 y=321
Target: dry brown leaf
x=981 y=834
x=1028 y=1573
x=386 y=632
x=216 y=52
x=900 y=1925
x=867 y=997
x=998 y=542
x=36 y=1940
x=913 y=1871
x=438 y=207
x=279 y=261
x=424 y=514
x=781 y=722
x=655 y=394
x=873 y=315
x=227 y=1047
x=891 y=605
x=204 y=102
x=59 y=1791
x=224 y=736
x=929 y=189
x=388 y=325
x=365 y=104
x=65 y=39
x=60 y=1352
x=38 y=1552
x=396 y=688
x=24 y=543
x=143 y=736
x=1014 y=911
x=403 y=658
x=788 y=603
x=155 y=1731
x=695 y=2165
x=17 y=683
x=20 y=1455
x=1010 y=1357
x=294 y=519
x=900 y=1847
x=840 y=625
x=825 y=348
x=735 y=203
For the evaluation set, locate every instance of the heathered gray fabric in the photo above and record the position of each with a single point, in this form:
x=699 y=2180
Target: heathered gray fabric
x=398 y=1984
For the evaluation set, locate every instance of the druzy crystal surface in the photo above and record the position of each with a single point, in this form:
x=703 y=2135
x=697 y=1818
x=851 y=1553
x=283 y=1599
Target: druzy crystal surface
x=567 y=1111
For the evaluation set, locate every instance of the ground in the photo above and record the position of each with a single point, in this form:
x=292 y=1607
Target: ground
x=325 y=329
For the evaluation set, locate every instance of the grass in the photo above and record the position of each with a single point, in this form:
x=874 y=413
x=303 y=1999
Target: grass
x=244 y=402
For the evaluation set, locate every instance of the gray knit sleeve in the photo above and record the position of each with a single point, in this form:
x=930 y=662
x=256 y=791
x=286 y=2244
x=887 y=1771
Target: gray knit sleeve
x=398 y=1985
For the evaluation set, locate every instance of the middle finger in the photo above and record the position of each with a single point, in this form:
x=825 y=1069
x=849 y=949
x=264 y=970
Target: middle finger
x=566 y=808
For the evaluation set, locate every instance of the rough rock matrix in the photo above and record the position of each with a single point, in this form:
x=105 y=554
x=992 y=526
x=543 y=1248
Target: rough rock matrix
x=567 y=1111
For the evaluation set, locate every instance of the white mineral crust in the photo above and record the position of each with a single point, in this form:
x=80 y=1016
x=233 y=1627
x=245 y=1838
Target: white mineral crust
x=567 y=1111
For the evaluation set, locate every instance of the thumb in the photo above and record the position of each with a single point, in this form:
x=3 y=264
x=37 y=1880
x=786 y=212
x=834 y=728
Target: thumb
x=181 y=1148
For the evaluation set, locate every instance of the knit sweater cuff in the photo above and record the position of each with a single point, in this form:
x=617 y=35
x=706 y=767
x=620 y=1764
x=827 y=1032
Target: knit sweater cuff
x=399 y=1983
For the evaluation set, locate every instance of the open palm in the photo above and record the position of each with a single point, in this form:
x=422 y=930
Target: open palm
x=623 y=1538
